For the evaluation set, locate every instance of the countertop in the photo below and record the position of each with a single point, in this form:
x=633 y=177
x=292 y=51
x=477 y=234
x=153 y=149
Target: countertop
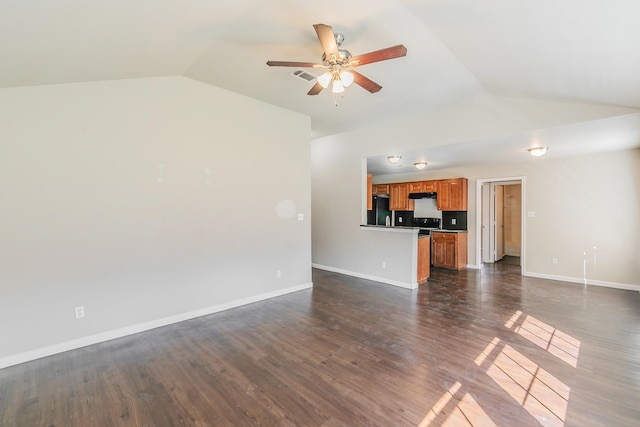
x=408 y=229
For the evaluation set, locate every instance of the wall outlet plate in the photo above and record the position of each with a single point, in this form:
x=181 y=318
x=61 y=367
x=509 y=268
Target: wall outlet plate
x=79 y=312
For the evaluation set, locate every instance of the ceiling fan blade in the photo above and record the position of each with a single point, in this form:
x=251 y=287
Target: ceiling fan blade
x=365 y=82
x=291 y=64
x=316 y=89
x=379 y=55
x=327 y=40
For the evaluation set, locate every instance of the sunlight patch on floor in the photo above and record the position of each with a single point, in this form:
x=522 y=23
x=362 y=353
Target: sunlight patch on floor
x=556 y=342
x=467 y=412
x=536 y=390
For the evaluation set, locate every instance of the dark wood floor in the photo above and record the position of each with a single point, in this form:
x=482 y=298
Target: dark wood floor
x=468 y=348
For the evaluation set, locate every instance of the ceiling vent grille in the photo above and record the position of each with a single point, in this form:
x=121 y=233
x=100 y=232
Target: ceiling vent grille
x=301 y=74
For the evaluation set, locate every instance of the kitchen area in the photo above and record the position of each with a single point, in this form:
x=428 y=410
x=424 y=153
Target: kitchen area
x=432 y=213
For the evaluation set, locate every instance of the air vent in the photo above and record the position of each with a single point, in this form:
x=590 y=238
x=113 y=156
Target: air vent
x=304 y=75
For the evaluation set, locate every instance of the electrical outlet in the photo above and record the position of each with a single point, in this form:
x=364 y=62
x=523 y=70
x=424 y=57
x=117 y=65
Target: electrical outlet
x=79 y=311
x=554 y=260
x=384 y=264
x=300 y=217
x=453 y=221
x=278 y=274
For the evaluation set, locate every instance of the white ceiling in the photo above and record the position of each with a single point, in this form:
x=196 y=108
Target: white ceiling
x=580 y=51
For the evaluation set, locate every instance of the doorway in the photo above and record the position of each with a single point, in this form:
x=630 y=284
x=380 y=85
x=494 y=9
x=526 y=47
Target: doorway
x=501 y=222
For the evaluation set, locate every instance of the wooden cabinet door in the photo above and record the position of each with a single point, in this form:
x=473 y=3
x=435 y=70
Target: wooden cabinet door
x=449 y=250
x=429 y=186
x=380 y=189
x=444 y=250
x=416 y=187
x=452 y=194
x=399 y=197
x=424 y=256
x=422 y=187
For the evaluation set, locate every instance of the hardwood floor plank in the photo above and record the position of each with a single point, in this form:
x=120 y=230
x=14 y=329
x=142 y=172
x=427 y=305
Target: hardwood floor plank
x=480 y=347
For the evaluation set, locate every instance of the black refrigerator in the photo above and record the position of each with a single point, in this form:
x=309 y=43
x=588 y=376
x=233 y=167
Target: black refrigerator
x=378 y=215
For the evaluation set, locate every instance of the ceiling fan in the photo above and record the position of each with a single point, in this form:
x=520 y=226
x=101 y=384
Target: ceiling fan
x=339 y=62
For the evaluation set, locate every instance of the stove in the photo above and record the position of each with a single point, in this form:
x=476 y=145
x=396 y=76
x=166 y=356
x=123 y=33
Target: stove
x=426 y=225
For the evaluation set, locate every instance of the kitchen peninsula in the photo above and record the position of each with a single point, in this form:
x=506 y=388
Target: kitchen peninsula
x=414 y=244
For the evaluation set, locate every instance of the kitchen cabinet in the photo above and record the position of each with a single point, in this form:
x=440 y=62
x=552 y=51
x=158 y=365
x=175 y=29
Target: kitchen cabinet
x=369 y=191
x=449 y=250
x=399 y=197
x=422 y=187
x=452 y=194
x=380 y=189
x=424 y=256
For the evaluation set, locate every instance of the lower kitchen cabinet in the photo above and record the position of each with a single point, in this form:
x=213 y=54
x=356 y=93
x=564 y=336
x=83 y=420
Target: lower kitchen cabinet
x=424 y=255
x=449 y=250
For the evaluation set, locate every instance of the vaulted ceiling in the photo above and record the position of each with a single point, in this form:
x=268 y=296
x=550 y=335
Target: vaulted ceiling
x=574 y=51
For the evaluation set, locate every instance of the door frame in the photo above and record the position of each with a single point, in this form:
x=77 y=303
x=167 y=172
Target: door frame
x=523 y=212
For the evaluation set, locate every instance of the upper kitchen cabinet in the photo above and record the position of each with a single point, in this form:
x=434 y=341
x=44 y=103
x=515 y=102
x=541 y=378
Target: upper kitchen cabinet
x=423 y=187
x=380 y=189
x=452 y=194
x=399 y=197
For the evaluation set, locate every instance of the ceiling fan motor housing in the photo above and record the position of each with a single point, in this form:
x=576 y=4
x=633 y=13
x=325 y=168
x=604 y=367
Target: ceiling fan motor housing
x=345 y=57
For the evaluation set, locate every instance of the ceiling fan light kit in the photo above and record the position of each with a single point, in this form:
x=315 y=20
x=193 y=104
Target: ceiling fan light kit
x=336 y=59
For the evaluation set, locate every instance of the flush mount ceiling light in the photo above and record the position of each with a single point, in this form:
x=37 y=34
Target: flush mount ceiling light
x=537 y=151
x=393 y=159
x=420 y=165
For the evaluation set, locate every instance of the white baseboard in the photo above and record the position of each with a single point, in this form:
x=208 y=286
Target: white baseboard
x=141 y=327
x=366 y=276
x=581 y=281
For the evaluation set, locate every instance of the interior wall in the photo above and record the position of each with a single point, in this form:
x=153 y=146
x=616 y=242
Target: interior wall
x=567 y=196
x=144 y=199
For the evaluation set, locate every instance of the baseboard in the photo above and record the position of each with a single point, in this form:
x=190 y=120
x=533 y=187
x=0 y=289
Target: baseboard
x=366 y=276
x=474 y=267
x=581 y=281
x=141 y=327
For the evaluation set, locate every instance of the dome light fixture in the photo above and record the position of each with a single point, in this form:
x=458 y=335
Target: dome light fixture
x=537 y=151
x=393 y=159
x=420 y=165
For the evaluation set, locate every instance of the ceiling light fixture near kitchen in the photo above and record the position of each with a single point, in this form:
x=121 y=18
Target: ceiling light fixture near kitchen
x=394 y=159
x=420 y=165
x=537 y=151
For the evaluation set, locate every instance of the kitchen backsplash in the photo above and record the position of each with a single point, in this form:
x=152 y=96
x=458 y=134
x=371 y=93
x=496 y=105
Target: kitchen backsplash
x=403 y=219
x=454 y=220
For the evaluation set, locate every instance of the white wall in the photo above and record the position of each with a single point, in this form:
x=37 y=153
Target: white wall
x=145 y=201
x=579 y=202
